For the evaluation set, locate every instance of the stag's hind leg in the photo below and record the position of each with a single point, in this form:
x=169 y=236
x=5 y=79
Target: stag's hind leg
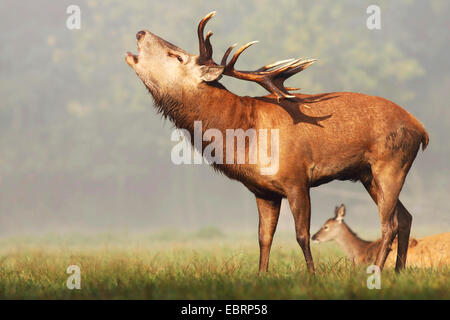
x=404 y=220
x=269 y=211
x=384 y=185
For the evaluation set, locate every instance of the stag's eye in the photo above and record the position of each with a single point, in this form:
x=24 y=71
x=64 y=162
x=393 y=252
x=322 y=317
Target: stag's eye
x=173 y=55
x=325 y=227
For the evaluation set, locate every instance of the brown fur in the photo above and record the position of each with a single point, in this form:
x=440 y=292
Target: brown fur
x=323 y=137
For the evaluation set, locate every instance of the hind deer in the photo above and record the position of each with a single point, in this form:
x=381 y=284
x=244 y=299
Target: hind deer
x=322 y=137
x=358 y=250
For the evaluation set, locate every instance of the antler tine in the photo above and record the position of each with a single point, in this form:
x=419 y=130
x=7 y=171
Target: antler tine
x=302 y=63
x=296 y=68
x=208 y=45
x=273 y=65
x=205 y=47
x=227 y=53
x=233 y=60
x=280 y=92
x=279 y=79
x=285 y=67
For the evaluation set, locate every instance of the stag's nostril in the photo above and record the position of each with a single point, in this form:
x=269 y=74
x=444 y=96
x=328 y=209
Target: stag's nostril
x=140 y=34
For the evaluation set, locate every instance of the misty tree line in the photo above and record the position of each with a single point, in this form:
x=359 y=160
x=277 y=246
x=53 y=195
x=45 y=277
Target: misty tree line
x=78 y=133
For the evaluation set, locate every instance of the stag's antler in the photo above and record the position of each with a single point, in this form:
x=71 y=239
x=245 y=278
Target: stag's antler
x=205 y=47
x=271 y=77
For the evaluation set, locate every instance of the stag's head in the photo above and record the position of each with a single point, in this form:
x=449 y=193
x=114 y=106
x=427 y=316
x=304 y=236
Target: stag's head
x=332 y=227
x=168 y=70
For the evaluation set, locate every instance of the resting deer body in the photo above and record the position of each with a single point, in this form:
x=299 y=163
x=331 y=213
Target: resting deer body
x=322 y=137
x=358 y=250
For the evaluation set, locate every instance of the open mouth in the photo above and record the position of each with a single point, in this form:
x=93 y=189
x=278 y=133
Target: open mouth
x=132 y=58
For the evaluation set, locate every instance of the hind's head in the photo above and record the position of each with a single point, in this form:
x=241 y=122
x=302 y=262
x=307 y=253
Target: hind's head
x=332 y=228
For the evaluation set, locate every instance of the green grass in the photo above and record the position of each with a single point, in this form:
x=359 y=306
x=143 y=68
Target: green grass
x=206 y=264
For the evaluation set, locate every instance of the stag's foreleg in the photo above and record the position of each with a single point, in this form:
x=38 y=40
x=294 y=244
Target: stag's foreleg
x=269 y=211
x=300 y=204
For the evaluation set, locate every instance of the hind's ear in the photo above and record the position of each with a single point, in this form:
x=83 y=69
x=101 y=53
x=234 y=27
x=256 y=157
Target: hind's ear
x=336 y=209
x=340 y=213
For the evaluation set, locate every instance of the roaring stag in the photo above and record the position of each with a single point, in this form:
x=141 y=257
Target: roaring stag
x=322 y=137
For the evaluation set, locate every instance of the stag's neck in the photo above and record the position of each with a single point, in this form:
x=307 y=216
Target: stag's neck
x=212 y=104
x=353 y=246
x=216 y=108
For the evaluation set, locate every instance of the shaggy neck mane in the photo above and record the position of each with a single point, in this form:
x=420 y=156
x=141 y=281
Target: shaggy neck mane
x=216 y=108
x=171 y=108
x=213 y=105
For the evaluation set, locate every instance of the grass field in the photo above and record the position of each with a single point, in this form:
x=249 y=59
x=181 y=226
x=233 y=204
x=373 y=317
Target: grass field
x=201 y=265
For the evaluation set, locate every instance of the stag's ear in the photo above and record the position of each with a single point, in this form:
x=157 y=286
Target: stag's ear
x=210 y=73
x=340 y=213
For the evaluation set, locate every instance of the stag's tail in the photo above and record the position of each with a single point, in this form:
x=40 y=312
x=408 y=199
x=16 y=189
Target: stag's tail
x=425 y=139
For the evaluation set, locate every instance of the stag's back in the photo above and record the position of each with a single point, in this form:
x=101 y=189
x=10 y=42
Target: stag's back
x=342 y=133
x=355 y=115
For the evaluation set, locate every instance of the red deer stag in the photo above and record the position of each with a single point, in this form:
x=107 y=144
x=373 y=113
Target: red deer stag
x=322 y=137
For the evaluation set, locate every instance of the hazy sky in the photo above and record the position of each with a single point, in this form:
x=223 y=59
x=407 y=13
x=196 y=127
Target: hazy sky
x=83 y=148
